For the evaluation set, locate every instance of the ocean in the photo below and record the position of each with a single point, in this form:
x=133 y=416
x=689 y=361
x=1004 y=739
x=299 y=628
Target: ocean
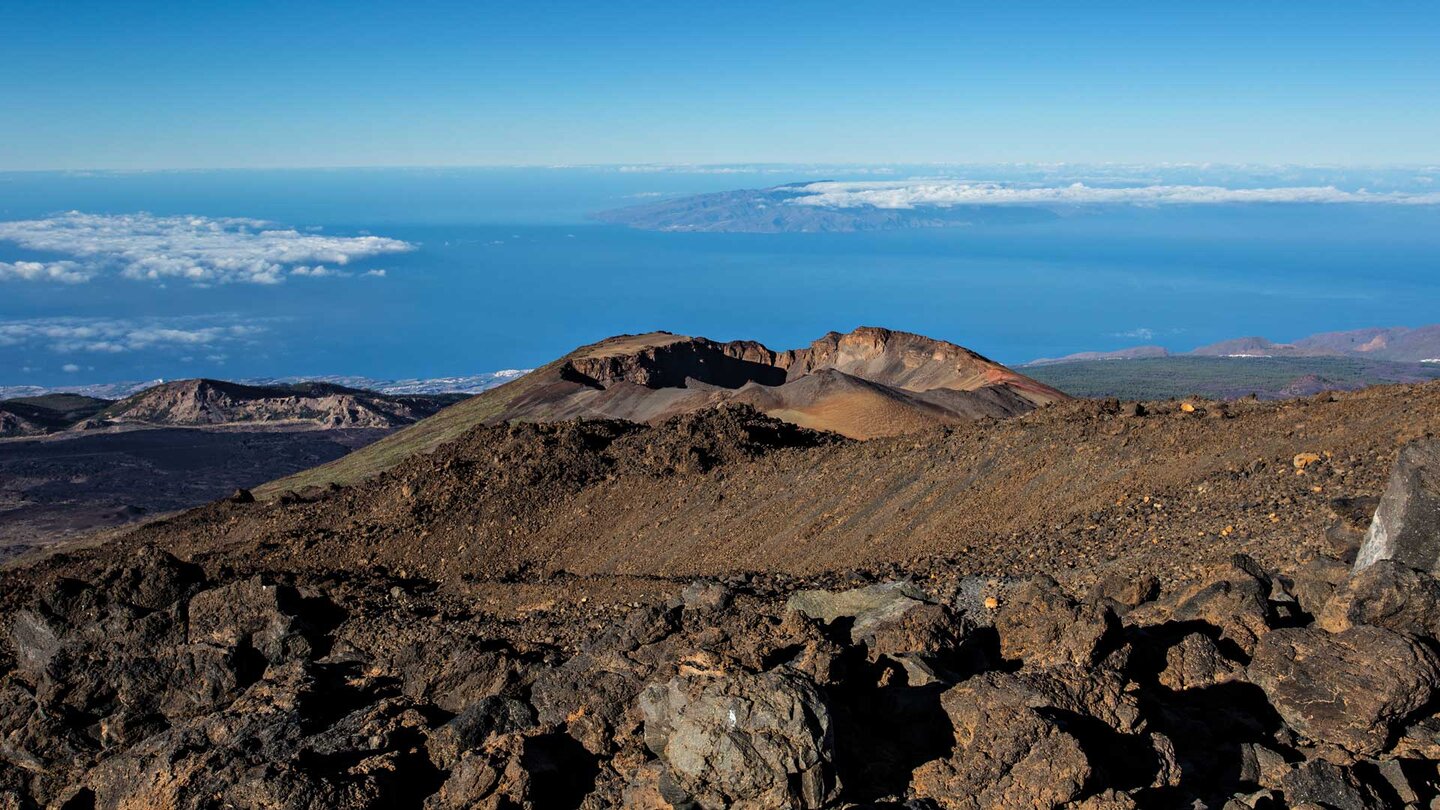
x=508 y=270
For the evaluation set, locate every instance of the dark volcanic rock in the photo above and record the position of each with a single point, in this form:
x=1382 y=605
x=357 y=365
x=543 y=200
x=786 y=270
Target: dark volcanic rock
x=1196 y=661
x=477 y=725
x=250 y=615
x=1040 y=624
x=1407 y=524
x=1350 y=689
x=743 y=740
x=1008 y=753
x=1328 y=785
x=1238 y=604
x=1386 y=594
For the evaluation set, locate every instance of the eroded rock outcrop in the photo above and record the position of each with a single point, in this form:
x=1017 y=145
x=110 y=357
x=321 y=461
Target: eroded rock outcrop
x=1407 y=523
x=742 y=740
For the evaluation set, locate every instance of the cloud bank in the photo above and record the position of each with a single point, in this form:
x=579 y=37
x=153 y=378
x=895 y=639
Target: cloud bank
x=116 y=335
x=201 y=250
x=945 y=193
x=64 y=272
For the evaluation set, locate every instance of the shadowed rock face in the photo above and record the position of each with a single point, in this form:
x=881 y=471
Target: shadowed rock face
x=671 y=361
x=1407 y=524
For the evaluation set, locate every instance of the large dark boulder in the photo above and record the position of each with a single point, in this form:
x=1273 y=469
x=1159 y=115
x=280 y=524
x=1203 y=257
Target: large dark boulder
x=252 y=614
x=530 y=771
x=1008 y=752
x=1349 y=689
x=743 y=740
x=1386 y=594
x=1407 y=523
x=151 y=579
x=1041 y=625
x=592 y=704
x=1325 y=784
x=477 y=725
x=1236 y=602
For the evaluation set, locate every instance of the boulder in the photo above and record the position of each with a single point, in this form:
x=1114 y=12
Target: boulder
x=925 y=630
x=1407 y=523
x=1314 y=581
x=1349 y=689
x=151 y=579
x=706 y=596
x=867 y=608
x=1323 y=783
x=1041 y=625
x=1007 y=752
x=1106 y=800
x=477 y=725
x=1196 y=662
x=1100 y=692
x=743 y=740
x=518 y=772
x=252 y=614
x=1391 y=773
x=1237 y=603
x=35 y=639
x=455 y=672
x=1386 y=594
x=1126 y=591
x=592 y=704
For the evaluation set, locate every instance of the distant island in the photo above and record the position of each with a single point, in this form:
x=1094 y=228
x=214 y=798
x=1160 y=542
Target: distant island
x=775 y=210
x=920 y=202
x=1243 y=366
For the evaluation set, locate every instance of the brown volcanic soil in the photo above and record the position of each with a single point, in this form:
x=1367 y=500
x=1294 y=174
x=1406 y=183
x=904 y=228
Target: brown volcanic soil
x=866 y=383
x=543 y=564
x=1070 y=490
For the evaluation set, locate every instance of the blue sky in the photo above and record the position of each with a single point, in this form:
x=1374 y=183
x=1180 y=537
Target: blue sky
x=254 y=84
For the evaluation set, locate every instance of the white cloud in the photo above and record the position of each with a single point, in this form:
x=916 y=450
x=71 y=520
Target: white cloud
x=380 y=273
x=945 y=193
x=65 y=272
x=318 y=271
x=202 y=250
x=1143 y=333
x=117 y=335
x=70 y=367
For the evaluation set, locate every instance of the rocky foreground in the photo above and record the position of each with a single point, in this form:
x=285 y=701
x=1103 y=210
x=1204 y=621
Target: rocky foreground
x=235 y=673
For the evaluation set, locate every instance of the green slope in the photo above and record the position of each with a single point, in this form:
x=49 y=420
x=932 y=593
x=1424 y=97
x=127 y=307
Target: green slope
x=1224 y=377
x=421 y=437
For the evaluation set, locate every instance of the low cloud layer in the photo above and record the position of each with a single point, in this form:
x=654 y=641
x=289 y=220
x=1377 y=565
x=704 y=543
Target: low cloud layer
x=117 y=335
x=64 y=272
x=200 y=250
x=945 y=193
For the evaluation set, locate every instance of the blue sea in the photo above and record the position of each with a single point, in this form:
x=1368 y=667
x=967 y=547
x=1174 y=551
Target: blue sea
x=509 y=271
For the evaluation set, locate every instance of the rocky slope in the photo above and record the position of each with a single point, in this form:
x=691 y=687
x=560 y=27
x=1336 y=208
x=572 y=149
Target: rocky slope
x=39 y=415
x=1096 y=605
x=867 y=383
x=1132 y=353
x=1397 y=344
x=215 y=402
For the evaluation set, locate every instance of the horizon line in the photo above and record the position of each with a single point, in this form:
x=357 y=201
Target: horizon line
x=1433 y=166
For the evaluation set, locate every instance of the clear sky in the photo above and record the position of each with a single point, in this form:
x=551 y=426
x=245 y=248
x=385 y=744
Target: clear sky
x=139 y=85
